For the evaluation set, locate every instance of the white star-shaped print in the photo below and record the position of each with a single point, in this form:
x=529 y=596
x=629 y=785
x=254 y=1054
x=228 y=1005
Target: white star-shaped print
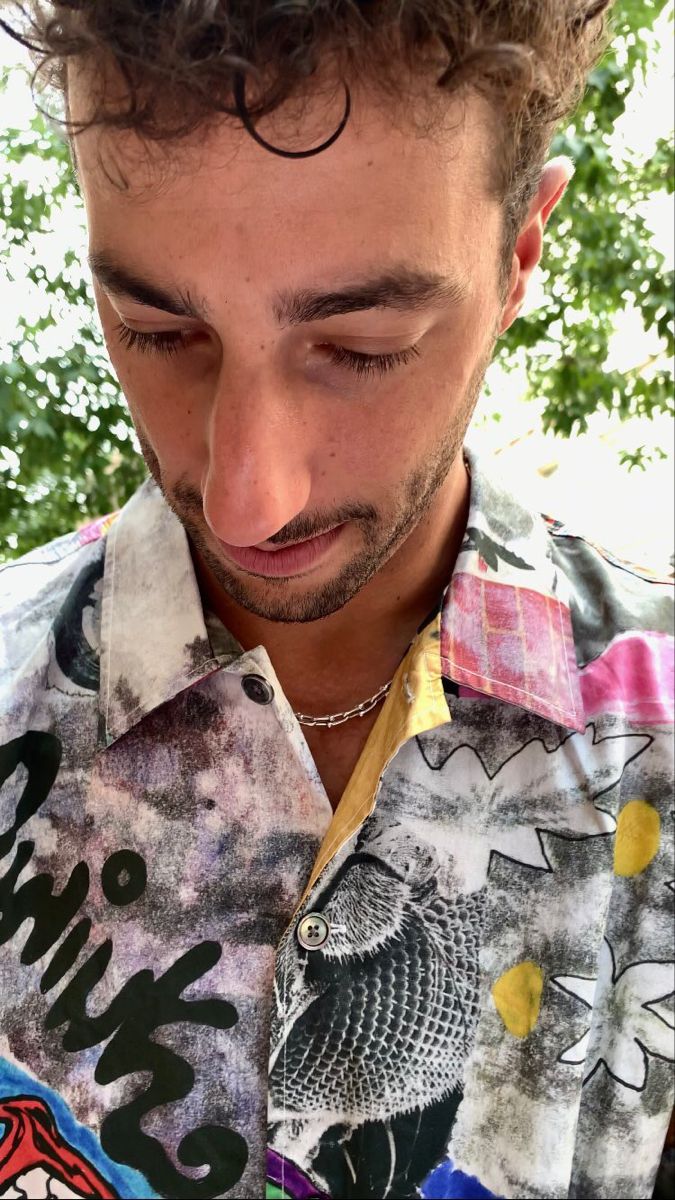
x=631 y=1018
x=534 y=793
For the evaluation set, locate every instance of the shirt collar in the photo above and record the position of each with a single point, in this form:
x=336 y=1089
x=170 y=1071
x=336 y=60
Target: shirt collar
x=154 y=641
x=505 y=622
x=505 y=628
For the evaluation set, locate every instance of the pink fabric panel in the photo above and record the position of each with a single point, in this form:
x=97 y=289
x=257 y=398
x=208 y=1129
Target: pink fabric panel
x=96 y=529
x=501 y=608
x=467 y=693
x=511 y=642
x=633 y=677
x=465 y=599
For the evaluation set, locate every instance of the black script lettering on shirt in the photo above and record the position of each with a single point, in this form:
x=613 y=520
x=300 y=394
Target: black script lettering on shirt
x=142 y=1005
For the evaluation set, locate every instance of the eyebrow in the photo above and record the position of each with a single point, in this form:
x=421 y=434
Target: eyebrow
x=401 y=287
x=121 y=282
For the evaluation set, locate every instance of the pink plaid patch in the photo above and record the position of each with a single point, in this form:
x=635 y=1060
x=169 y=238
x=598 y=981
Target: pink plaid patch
x=513 y=643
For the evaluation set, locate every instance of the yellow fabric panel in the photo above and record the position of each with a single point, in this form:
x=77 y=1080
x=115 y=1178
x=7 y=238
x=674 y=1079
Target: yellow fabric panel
x=415 y=704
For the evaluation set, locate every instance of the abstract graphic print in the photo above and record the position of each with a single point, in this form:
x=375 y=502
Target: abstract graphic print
x=35 y=1162
x=373 y=1034
x=490 y=1011
x=137 y=925
x=370 y=1035
x=45 y=1152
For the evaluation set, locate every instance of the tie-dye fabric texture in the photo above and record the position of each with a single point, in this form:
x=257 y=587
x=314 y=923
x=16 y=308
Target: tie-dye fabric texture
x=487 y=1006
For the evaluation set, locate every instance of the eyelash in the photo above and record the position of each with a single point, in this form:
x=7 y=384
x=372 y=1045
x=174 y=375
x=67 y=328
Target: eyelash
x=148 y=343
x=362 y=364
x=371 y=364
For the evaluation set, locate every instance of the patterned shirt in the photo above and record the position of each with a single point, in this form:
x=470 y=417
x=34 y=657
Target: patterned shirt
x=458 y=985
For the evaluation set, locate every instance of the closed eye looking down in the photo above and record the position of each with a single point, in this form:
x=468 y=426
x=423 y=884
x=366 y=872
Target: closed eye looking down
x=169 y=343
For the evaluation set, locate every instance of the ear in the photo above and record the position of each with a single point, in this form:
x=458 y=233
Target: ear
x=527 y=251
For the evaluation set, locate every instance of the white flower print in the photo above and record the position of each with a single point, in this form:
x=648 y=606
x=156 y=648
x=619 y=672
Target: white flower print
x=536 y=792
x=631 y=1018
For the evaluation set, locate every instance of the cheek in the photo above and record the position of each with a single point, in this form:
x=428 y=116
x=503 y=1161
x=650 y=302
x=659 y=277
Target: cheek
x=383 y=440
x=156 y=397
x=166 y=424
x=374 y=443
x=155 y=391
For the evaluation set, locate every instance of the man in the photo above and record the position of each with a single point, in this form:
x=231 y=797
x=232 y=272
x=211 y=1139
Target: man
x=335 y=784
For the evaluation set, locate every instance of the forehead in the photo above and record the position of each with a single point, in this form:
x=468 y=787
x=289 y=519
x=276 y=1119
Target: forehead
x=385 y=186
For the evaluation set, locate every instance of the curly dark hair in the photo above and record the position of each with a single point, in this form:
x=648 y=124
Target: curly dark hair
x=187 y=62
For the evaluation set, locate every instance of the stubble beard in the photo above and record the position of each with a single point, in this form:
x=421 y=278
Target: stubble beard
x=381 y=537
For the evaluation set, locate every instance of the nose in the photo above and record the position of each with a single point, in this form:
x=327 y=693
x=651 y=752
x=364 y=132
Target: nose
x=257 y=475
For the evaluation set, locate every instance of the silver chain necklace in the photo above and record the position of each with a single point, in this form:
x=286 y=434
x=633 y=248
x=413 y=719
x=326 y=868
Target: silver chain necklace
x=360 y=710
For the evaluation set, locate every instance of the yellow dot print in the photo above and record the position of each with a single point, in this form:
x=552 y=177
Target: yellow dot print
x=517 y=997
x=638 y=832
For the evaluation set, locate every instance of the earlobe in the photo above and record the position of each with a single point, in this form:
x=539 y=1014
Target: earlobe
x=509 y=315
x=514 y=296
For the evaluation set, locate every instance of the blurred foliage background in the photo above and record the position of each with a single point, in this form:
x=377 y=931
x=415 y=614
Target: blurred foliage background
x=67 y=448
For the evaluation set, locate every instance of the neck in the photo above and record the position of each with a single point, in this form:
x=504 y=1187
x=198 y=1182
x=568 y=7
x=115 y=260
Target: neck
x=369 y=635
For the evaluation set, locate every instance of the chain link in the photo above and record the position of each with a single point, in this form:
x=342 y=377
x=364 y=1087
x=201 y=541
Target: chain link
x=360 y=710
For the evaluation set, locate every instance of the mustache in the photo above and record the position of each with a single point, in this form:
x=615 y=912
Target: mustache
x=187 y=500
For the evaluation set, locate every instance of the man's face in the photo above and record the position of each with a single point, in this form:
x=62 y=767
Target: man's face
x=343 y=310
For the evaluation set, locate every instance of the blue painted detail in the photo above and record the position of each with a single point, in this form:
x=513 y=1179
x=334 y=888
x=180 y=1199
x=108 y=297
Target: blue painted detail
x=447 y=1183
x=130 y=1184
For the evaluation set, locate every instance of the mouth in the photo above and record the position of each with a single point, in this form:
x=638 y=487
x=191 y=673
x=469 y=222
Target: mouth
x=295 y=558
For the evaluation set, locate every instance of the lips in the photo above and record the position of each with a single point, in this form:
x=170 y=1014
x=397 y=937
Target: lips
x=295 y=559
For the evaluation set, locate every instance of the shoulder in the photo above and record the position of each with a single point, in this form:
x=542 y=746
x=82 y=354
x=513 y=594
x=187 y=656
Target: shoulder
x=622 y=621
x=608 y=594
x=45 y=592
